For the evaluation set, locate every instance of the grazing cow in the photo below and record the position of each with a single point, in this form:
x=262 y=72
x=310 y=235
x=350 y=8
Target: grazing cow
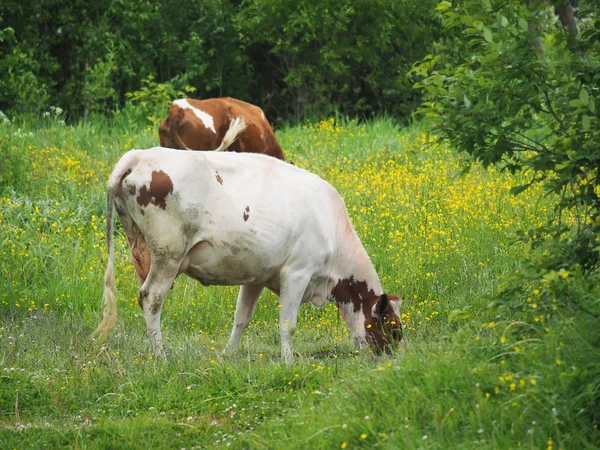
x=201 y=125
x=249 y=220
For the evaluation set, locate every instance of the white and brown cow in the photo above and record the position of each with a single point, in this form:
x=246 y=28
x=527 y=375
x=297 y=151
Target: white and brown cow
x=140 y=255
x=249 y=220
x=201 y=125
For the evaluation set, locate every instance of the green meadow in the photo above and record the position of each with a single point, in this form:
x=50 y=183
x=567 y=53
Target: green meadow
x=475 y=374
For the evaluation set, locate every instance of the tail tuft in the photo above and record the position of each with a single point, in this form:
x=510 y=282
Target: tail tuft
x=236 y=127
x=110 y=290
x=109 y=317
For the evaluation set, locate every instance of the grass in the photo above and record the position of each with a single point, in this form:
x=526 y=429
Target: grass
x=472 y=376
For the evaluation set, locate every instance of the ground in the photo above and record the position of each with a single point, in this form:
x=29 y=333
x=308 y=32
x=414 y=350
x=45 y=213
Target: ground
x=472 y=376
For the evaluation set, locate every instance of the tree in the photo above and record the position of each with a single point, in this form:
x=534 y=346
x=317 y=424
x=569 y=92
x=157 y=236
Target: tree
x=506 y=103
x=318 y=57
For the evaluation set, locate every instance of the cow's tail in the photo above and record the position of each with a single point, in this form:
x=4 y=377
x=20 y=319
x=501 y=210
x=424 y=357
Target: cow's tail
x=109 y=305
x=236 y=127
x=179 y=142
x=169 y=135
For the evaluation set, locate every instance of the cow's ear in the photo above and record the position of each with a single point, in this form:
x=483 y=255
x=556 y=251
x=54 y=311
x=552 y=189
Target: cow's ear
x=395 y=303
x=382 y=306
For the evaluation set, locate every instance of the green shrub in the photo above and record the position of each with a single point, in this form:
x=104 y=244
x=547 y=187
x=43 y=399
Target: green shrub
x=525 y=99
x=21 y=86
x=326 y=56
x=153 y=99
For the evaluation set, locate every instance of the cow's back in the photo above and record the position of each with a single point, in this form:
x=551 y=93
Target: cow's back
x=202 y=124
x=284 y=214
x=247 y=189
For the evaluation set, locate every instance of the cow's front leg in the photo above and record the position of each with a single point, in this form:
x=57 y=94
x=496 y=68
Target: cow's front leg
x=244 y=310
x=292 y=291
x=151 y=296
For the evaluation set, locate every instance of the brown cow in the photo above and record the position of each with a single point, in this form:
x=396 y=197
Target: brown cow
x=201 y=125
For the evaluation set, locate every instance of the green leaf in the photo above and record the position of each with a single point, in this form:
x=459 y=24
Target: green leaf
x=516 y=190
x=443 y=6
x=467 y=20
x=583 y=96
x=467 y=102
x=575 y=103
x=592 y=105
x=523 y=24
x=503 y=21
x=585 y=122
x=487 y=34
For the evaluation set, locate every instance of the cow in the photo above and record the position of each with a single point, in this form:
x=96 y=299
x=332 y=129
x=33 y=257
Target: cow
x=139 y=253
x=249 y=220
x=201 y=124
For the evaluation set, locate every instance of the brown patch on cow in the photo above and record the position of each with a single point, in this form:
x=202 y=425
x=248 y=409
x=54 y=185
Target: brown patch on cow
x=243 y=144
x=246 y=213
x=355 y=292
x=219 y=178
x=160 y=186
x=140 y=254
x=382 y=328
x=132 y=189
x=156 y=305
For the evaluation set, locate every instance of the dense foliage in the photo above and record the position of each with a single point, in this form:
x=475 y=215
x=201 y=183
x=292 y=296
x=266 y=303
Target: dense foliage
x=294 y=58
x=525 y=98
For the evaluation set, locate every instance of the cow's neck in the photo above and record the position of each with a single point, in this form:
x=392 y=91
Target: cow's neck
x=356 y=293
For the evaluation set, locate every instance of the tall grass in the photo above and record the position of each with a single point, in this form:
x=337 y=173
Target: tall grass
x=472 y=376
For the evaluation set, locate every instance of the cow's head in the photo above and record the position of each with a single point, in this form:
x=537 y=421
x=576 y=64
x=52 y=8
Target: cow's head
x=165 y=135
x=383 y=327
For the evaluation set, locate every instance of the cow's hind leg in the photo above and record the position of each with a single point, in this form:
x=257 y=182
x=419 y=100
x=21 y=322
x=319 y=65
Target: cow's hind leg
x=244 y=310
x=151 y=296
x=292 y=291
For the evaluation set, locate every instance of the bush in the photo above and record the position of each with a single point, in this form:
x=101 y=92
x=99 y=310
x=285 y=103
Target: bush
x=525 y=99
x=153 y=99
x=326 y=56
x=527 y=107
x=294 y=59
x=21 y=88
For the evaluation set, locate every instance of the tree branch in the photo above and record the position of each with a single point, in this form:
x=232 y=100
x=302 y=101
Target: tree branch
x=538 y=108
x=567 y=19
x=558 y=119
